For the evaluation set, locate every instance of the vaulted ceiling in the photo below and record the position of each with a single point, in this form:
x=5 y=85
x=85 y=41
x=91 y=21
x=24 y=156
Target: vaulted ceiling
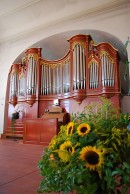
x=20 y=18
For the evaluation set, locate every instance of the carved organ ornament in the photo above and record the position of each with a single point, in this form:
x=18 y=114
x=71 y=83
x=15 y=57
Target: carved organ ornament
x=86 y=70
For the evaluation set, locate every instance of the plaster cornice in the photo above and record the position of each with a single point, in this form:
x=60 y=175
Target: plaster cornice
x=16 y=10
x=99 y=10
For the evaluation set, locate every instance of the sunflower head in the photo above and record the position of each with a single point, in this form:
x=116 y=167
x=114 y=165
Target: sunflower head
x=127 y=117
x=52 y=143
x=83 y=129
x=70 y=128
x=64 y=155
x=68 y=147
x=93 y=157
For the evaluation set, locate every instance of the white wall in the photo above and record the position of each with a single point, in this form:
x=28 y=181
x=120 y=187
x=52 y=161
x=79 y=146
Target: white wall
x=126 y=104
x=115 y=22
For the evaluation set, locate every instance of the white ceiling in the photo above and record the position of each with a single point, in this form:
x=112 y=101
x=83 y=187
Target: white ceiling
x=56 y=46
x=19 y=18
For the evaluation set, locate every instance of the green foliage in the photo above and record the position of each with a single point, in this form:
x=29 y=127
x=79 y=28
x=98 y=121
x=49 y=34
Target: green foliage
x=67 y=164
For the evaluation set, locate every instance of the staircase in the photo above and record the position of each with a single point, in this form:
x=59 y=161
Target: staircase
x=14 y=132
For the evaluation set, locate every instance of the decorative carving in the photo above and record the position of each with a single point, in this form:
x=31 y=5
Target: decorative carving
x=92 y=61
x=34 y=56
x=107 y=55
x=80 y=43
x=31 y=99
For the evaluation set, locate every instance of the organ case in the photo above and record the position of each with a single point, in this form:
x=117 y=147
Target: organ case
x=85 y=72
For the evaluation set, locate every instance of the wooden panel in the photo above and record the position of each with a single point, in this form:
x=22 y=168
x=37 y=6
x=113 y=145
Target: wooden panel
x=39 y=131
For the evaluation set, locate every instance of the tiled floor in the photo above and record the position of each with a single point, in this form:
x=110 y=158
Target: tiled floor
x=19 y=173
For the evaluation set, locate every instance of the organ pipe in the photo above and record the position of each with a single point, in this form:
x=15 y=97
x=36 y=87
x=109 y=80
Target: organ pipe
x=14 y=84
x=93 y=75
x=79 y=68
x=74 y=68
x=57 y=76
x=107 y=71
x=84 y=70
x=31 y=76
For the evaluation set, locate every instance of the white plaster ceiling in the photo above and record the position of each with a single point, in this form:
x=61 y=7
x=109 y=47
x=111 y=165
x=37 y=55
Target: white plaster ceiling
x=56 y=46
x=19 y=18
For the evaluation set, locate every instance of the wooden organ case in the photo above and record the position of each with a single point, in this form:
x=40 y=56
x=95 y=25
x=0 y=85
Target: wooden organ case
x=84 y=73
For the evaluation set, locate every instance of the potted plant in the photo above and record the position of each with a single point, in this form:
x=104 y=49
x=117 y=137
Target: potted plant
x=14 y=117
x=90 y=155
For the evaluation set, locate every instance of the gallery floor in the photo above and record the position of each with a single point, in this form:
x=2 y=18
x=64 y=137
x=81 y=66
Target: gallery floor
x=19 y=173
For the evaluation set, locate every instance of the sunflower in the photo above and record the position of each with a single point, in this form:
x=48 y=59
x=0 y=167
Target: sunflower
x=67 y=146
x=64 y=155
x=70 y=128
x=127 y=117
x=83 y=129
x=52 y=143
x=65 y=151
x=93 y=157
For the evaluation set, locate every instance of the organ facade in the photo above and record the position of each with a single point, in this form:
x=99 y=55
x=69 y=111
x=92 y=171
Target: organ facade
x=86 y=72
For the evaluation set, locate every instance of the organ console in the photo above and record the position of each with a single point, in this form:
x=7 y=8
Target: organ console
x=57 y=112
x=84 y=73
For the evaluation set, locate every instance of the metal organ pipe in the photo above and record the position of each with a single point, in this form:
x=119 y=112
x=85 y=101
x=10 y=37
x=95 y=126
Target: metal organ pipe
x=68 y=75
x=32 y=77
x=93 y=73
x=42 y=80
x=104 y=71
x=35 y=77
x=79 y=69
x=107 y=71
x=29 y=77
x=64 y=73
x=45 y=80
x=57 y=79
x=65 y=78
x=102 y=62
x=14 y=84
x=112 y=73
x=74 y=68
x=30 y=64
x=90 y=77
x=84 y=70
x=53 y=80
x=49 y=79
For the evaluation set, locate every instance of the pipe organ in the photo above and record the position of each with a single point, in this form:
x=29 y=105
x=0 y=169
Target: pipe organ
x=93 y=74
x=86 y=71
x=107 y=70
x=79 y=67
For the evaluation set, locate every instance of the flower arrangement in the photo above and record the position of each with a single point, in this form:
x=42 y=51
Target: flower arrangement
x=15 y=115
x=90 y=155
